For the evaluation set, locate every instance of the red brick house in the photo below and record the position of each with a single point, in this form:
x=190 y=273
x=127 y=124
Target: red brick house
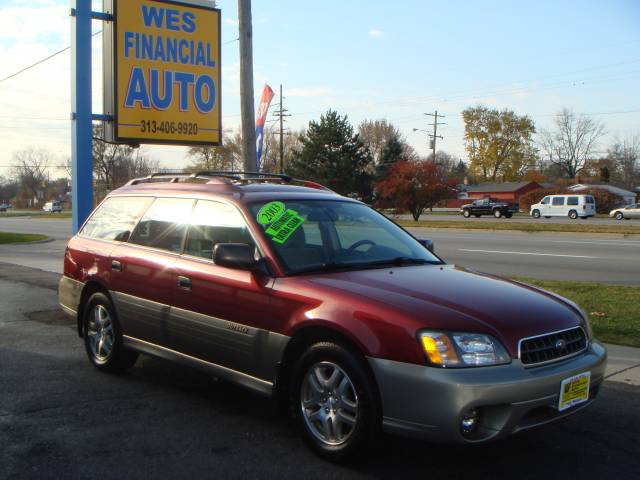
x=507 y=191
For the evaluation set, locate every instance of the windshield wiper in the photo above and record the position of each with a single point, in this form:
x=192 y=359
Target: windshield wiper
x=337 y=266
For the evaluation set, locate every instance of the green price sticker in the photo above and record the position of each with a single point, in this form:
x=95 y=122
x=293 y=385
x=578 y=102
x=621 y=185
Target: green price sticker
x=270 y=212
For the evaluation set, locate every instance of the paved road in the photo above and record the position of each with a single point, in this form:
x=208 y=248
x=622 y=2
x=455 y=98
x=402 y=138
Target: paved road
x=523 y=219
x=603 y=258
x=598 y=258
x=61 y=418
x=46 y=256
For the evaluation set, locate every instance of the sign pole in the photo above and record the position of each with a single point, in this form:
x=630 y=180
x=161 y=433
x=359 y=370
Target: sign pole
x=81 y=134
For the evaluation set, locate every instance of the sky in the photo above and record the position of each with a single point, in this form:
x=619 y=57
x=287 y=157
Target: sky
x=365 y=59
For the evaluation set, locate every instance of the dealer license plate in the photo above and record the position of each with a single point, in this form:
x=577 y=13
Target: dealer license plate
x=574 y=391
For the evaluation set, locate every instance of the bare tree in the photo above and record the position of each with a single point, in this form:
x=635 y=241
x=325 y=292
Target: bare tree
x=376 y=134
x=110 y=161
x=624 y=155
x=227 y=156
x=271 y=149
x=30 y=168
x=572 y=143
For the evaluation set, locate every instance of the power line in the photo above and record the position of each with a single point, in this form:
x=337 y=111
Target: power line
x=42 y=61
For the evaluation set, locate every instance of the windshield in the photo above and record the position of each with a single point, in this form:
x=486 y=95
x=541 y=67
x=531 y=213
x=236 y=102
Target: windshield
x=320 y=235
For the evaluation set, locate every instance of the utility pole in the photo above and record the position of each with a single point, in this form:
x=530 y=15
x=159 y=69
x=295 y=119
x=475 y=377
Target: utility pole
x=246 y=86
x=435 y=131
x=281 y=113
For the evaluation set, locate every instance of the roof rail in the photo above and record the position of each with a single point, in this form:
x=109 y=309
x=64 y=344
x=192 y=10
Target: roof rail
x=239 y=177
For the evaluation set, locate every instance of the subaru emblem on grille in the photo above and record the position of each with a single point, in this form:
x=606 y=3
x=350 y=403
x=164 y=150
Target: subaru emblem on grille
x=561 y=345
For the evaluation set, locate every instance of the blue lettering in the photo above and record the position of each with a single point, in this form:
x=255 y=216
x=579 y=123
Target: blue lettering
x=188 y=22
x=205 y=82
x=152 y=15
x=173 y=20
x=200 y=55
x=128 y=44
x=210 y=61
x=184 y=57
x=161 y=103
x=147 y=47
x=172 y=50
x=137 y=90
x=159 y=53
x=184 y=79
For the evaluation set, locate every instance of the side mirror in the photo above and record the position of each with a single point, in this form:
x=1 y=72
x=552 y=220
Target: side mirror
x=234 y=255
x=428 y=244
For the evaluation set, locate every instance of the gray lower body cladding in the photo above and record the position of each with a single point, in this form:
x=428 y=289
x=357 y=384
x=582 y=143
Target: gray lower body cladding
x=429 y=403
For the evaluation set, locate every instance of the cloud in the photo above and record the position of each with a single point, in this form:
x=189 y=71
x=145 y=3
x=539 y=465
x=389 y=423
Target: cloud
x=375 y=33
x=232 y=21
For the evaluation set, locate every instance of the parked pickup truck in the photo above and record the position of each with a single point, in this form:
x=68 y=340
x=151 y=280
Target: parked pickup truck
x=489 y=206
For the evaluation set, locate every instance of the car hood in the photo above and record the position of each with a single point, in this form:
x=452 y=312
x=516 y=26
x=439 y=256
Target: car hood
x=445 y=297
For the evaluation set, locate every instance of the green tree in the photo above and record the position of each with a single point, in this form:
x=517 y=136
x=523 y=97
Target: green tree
x=499 y=143
x=333 y=155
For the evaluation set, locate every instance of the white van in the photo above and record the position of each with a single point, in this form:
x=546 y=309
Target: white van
x=572 y=206
x=52 y=207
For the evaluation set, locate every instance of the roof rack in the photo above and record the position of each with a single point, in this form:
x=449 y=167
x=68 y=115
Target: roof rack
x=230 y=176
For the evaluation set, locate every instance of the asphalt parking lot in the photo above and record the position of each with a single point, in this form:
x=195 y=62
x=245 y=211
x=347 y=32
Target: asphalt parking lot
x=61 y=418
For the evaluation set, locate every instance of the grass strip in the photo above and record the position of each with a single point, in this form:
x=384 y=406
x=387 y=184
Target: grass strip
x=10 y=237
x=614 y=310
x=524 y=227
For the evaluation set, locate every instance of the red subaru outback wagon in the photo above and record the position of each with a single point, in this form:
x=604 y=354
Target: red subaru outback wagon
x=318 y=300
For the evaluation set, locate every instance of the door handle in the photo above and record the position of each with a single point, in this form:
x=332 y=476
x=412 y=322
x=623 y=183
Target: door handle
x=116 y=265
x=184 y=282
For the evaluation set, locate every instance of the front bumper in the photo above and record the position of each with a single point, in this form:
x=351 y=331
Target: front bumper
x=429 y=403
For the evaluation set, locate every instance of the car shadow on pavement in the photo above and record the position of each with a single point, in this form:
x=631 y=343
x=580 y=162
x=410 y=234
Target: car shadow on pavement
x=63 y=418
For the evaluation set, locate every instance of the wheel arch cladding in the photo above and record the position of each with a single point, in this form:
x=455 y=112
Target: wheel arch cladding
x=91 y=287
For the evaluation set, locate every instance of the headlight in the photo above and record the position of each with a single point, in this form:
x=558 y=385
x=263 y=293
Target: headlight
x=587 y=324
x=463 y=349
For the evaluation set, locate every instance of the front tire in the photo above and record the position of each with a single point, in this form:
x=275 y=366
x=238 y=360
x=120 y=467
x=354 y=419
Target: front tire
x=536 y=214
x=466 y=213
x=103 y=337
x=335 y=401
x=619 y=216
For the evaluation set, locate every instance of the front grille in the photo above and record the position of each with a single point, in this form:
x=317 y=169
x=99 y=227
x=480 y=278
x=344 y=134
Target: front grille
x=552 y=346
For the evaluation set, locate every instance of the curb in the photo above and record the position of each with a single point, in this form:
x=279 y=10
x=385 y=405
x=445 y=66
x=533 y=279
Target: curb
x=35 y=242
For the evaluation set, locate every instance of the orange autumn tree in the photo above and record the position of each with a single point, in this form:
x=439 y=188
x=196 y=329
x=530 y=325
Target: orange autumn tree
x=413 y=186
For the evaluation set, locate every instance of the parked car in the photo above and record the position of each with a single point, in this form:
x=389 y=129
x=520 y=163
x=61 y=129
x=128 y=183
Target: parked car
x=4 y=207
x=52 y=207
x=630 y=211
x=319 y=301
x=572 y=206
x=489 y=206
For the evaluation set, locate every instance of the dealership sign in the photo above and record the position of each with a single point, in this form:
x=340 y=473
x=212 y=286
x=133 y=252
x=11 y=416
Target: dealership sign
x=162 y=72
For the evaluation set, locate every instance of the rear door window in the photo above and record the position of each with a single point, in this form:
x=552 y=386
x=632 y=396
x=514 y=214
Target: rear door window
x=115 y=218
x=573 y=200
x=164 y=224
x=557 y=201
x=589 y=199
x=213 y=223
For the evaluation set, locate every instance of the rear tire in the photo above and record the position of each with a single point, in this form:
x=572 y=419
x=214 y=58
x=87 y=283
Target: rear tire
x=497 y=213
x=536 y=214
x=103 y=337
x=334 y=401
x=619 y=216
x=573 y=214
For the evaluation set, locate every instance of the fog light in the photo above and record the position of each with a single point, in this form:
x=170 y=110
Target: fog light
x=469 y=422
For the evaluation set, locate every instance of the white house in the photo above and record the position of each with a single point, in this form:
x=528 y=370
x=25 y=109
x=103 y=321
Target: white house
x=627 y=196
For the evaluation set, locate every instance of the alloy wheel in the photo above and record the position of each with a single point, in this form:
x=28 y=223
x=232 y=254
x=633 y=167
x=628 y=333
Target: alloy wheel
x=100 y=333
x=329 y=403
